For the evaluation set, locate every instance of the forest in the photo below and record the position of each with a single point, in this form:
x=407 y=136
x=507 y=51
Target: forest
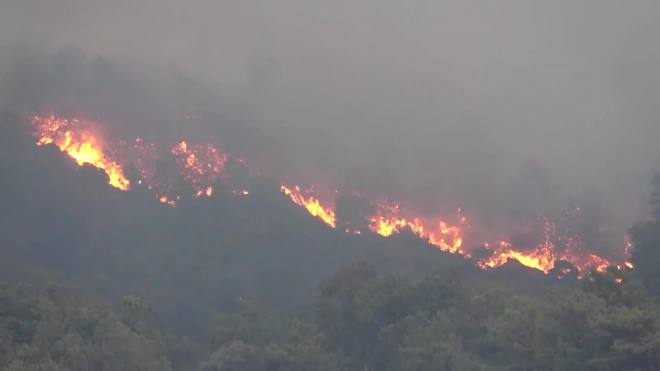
x=98 y=279
x=363 y=321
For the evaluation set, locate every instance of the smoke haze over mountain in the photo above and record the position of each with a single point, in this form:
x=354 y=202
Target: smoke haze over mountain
x=441 y=102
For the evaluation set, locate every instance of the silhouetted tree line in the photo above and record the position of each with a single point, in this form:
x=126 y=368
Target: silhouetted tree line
x=363 y=321
x=367 y=321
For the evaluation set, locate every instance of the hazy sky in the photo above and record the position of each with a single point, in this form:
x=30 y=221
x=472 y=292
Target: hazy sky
x=448 y=93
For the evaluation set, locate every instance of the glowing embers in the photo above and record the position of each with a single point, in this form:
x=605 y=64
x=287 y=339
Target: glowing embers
x=311 y=204
x=79 y=140
x=192 y=169
x=201 y=165
x=198 y=165
x=545 y=244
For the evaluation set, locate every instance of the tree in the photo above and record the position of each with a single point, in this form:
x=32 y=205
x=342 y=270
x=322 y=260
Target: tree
x=563 y=272
x=655 y=196
x=645 y=239
x=432 y=342
x=336 y=313
x=138 y=312
x=511 y=336
x=236 y=356
x=353 y=213
x=51 y=327
x=566 y=335
x=303 y=351
x=250 y=325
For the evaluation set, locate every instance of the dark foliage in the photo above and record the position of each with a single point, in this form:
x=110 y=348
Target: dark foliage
x=196 y=259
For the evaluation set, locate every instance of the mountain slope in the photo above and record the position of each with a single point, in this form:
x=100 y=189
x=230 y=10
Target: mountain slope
x=197 y=257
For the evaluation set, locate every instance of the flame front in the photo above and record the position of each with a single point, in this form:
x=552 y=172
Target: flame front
x=440 y=233
x=200 y=166
x=312 y=205
x=448 y=237
x=80 y=144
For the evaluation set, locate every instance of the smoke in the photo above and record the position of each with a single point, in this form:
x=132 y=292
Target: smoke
x=443 y=103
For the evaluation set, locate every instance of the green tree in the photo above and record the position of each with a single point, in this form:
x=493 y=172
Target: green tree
x=645 y=256
x=337 y=315
x=236 y=356
x=645 y=239
x=138 y=312
x=52 y=327
x=511 y=337
x=433 y=343
x=303 y=351
x=250 y=325
x=567 y=337
x=635 y=344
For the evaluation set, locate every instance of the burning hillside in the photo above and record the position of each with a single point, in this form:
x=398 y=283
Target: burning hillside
x=195 y=168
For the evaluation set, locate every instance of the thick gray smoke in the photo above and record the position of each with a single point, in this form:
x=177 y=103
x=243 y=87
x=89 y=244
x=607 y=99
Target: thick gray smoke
x=443 y=100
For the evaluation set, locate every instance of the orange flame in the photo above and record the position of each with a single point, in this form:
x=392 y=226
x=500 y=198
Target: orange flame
x=447 y=237
x=438 y=232
x=201 y=165
x=312 y=205
x=80 y=144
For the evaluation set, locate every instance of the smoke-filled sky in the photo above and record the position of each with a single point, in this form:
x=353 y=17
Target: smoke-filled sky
x=447 y=97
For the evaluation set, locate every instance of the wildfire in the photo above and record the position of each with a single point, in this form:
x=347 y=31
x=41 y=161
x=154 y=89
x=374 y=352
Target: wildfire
x=628 y=244
x=201 y=165
x=195 y=168
x=438 y=232
x=312 y=205
x=81 y=144
x=388 y=219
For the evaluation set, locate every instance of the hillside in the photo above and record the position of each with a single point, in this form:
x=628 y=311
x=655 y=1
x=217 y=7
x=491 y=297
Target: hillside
x=249 y=281
x=199 y=256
